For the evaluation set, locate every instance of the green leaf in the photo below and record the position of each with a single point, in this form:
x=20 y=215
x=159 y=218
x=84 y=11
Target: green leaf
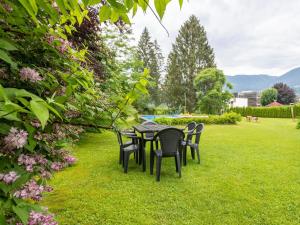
x=6 y=58
x=61 y=6
x=120 y=8
x=33 y=6
x=40 y=110
x=2 y=217
x=143 y=4
x=7 y=45
x=180 y=3
x=22 y=212
x=134 y=9
x=114 y=16
x=4 y=128
x=13 y=116
x=160 y=6
x=28 y=6
x=104 y=13
x=125 y=18
x=93 y=2
x=128 y=4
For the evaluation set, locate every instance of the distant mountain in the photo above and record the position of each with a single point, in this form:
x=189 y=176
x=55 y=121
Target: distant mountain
x=261 y=82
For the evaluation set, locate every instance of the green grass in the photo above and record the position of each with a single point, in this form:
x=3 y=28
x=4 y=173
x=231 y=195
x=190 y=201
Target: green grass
x=249 y=174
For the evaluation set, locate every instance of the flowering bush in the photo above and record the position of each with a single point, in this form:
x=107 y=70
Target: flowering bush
x=48 y=94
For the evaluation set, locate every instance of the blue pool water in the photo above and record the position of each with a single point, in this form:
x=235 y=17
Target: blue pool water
x=152 y=117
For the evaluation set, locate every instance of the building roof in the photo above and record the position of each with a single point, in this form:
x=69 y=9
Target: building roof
x=274 y=104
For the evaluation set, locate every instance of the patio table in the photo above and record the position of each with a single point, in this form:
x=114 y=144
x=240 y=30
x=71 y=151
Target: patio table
x=142 y=129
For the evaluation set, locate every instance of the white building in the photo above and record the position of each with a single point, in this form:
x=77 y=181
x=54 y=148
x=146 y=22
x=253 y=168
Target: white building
x=238 y=102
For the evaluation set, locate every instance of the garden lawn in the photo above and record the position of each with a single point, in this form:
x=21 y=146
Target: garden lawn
x=249 y=174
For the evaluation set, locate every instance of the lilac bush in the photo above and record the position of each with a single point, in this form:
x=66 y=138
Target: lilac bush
x=31 y=190
x=9 y=178
x=27 y=74
x=48 y=92
x=16 y=139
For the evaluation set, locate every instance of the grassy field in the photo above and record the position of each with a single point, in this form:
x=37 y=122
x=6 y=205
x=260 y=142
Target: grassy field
x=249 y=174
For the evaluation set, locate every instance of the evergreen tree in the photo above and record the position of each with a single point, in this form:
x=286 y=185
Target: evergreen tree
x=150 y=54
x=173 y=89
x=190 y=54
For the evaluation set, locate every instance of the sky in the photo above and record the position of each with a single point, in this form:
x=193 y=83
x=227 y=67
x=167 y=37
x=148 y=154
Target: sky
x=248 y=36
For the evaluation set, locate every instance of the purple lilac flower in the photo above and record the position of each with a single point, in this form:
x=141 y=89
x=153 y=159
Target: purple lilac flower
x=29 y=74
x=9 y=178
x=70 y=160
x=15 y=139
x=57 y=166
x=31 y=190
x=40 y=159
x=37 y=218
x=27 y=161
x=35 y=123
x=45 y=174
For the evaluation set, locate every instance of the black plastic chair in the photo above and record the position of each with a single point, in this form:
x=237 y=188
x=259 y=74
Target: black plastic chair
x=149 y=136
x=170 y=143
x=194 y=145
x=189 y=129
x=127 y=148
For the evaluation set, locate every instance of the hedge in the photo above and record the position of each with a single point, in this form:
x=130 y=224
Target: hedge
x=227 y=118
x=269 y=112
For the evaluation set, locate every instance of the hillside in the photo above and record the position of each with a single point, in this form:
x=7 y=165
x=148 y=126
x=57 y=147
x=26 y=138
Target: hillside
x=261 y=82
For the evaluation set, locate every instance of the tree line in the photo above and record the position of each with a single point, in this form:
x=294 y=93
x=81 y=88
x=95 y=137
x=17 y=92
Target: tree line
x=190 y=81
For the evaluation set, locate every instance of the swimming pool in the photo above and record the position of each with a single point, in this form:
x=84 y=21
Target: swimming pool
x=152 y=117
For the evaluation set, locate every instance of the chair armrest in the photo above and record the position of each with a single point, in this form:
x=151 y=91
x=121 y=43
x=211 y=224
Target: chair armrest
x=129 y=135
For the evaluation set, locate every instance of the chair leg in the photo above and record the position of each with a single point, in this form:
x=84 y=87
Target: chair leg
x=136 y=157
x=198 y=154
x=143 y=153
x=156 y=144
x=151 y=162
x=121 y=156
x=193 y=153
x=184 y=156
x=140 y=154
x=126 y=160
x=158 y=167
x=178 y=164
x=180 y=154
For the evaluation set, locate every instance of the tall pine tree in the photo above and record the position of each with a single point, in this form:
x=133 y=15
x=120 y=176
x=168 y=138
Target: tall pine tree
x=190 y=54
x=150 y=54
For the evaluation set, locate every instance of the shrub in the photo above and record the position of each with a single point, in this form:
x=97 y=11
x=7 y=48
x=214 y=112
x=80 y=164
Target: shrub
x=227 y=118
x=268 y=96
x=298 y=125
x=268 y=112
x=162 y=109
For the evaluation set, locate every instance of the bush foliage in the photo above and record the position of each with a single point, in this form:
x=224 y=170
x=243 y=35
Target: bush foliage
x=227 y=118
x=51 y=86
x=268 y=112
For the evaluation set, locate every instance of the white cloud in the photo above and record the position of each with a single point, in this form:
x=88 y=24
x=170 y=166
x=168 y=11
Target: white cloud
x=249 y=37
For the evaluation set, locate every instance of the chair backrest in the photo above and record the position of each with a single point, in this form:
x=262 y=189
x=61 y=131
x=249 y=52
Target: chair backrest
x=199 y=128
x=148 y=122
x=190 y=129
x=191 y=126
x=149 y=134
x=170 y=139
x=118 y=133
